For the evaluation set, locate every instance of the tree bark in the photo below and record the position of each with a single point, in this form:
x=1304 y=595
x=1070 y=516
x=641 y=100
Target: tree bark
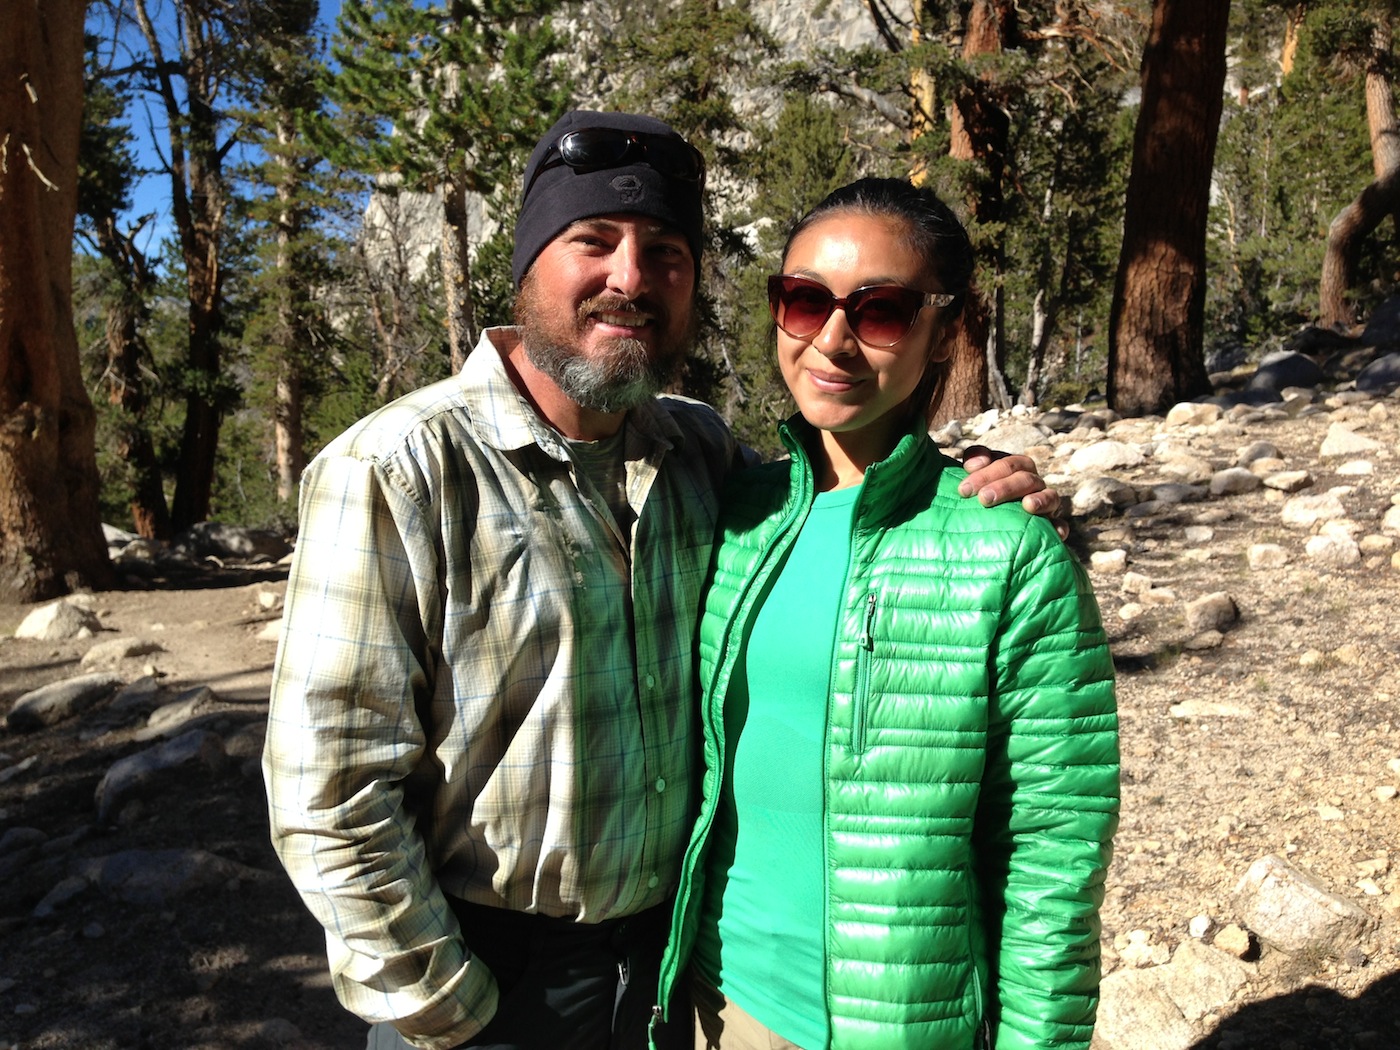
x=980 y=124
x=965 y=390
x=127 y=354
x=199 y=203
x=1344 y=237
x=288 y=431
x=1380 y=103
x=922 y=91
x=293 y=310
x=1288 y=54
x=50 y=526
x=979 y=133
x=1360 y=218
x=1156 y=327
x=1043 y=310
x=456 y=273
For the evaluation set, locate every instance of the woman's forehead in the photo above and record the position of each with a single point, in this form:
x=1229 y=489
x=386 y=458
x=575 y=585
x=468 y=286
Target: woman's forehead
x=876 y=246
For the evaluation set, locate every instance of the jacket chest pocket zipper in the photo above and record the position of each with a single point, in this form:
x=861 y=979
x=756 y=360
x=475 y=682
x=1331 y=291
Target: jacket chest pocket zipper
x=861 y=701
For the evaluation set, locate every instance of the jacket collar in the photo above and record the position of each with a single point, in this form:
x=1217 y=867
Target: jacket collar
x=910 y=470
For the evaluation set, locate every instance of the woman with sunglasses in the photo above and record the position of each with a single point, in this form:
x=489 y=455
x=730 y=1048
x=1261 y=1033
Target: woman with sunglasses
x=909 y=725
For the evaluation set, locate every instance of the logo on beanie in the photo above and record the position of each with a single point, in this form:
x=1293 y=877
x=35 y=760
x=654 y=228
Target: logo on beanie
x=629 y=189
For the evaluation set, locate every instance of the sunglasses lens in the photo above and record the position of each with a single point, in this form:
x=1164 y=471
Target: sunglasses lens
x=882 y=316
x=594 y=148
x=799 y=307
x=673 y=158
x=879 y=316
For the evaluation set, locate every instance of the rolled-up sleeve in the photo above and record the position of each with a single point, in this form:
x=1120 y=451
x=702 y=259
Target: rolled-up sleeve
x=354 y=671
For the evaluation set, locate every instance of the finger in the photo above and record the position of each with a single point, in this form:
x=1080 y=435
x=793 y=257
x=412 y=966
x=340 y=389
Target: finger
x=1048 y=504
x=1015 y=484
x=975 y=457
x=998 y=468
x=1045 y=502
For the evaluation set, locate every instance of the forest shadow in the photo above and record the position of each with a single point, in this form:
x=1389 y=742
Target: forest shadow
x=179 y=576
x=1139 y=663
x=1314 y=1016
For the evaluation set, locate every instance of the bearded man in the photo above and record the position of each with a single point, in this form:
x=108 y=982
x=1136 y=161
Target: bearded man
x=480 y=757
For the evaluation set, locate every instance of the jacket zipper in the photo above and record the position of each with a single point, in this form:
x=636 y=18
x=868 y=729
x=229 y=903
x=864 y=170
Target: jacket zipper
x=982 y=1032
x=671 y=956
x=864 y=656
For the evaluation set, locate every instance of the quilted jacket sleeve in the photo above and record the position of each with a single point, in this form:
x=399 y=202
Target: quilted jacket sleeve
x=1050 y=800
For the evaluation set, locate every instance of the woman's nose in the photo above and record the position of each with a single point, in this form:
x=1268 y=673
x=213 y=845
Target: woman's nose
x=835 y=338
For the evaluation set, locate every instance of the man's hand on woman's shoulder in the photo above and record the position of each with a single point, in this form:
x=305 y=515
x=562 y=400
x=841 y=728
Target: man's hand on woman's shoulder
x=1000 y=477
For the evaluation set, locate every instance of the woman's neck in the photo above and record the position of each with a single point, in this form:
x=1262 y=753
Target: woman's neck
x=841 y=458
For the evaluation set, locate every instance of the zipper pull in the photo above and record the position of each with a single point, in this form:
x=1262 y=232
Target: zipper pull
x=652 y=1022
x=867 y=639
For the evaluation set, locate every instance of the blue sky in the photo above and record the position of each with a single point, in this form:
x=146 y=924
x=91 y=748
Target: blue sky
x=152 y=193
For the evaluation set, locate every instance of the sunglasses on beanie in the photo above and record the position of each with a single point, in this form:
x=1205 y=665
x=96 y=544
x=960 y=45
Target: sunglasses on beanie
x=878 y=314
x=595 y=149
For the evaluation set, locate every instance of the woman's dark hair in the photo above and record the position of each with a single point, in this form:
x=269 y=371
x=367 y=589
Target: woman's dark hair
x=936 y=236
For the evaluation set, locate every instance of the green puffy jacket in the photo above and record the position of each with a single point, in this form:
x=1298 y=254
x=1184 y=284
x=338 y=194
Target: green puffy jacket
x=971 y=759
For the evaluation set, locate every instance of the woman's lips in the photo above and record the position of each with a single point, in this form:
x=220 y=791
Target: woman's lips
x=832 y=382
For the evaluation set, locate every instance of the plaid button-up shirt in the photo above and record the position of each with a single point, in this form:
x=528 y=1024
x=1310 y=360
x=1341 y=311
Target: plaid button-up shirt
x=482 y=690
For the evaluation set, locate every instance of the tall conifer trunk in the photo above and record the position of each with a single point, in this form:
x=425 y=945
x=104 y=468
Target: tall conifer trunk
x=50 y=528
x=289 y=443
x=1381 y=198
x=199 y=203
x=127 y=356
x=979 y=133
x=1156 y=328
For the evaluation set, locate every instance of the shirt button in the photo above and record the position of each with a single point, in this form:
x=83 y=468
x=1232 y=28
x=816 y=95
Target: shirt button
x=651 y=681
x=653 y=882
x=660 y=784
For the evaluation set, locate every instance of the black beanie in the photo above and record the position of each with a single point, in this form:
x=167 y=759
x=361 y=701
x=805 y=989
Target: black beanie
x=561 y=196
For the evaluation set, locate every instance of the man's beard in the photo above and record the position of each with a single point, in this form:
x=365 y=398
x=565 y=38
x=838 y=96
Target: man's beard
x=625 y=375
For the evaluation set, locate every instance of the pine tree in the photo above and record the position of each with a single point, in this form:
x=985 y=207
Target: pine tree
x=289 y=193
x=184 y=60
x=686 y=62
x=1010 y=112
x=1292 y=152
x=1068 y=152
x=805 y=155
x=444 y=98
x=107 y=172
x=1361 y=43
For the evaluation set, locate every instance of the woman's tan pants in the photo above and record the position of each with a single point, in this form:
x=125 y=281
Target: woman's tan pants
x=721 y=1025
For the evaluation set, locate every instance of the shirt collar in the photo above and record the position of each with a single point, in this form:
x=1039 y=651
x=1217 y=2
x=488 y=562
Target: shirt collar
x=505 y=419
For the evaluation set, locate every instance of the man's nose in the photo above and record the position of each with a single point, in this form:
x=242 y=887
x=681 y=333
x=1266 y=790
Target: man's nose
x=627 y=274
